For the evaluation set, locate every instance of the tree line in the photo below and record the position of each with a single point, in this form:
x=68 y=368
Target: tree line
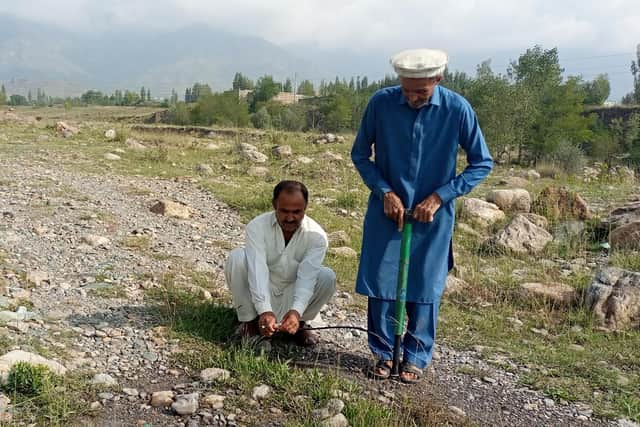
x=530 y=113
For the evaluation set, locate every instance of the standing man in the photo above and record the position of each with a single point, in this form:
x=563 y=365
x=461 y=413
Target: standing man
x=277 y=280
x=416 y=129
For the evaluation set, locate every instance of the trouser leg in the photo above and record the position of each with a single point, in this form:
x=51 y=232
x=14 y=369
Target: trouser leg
x=421 y=332
x=381 y=322
x=322 y=292
x=235 y=271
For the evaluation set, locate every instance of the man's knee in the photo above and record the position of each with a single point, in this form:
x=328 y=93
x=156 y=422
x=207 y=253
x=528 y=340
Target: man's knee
x=327 y=281
x=235 y=269
x=236 y=259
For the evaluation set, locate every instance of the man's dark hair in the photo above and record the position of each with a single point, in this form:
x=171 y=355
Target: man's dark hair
x=290 y=187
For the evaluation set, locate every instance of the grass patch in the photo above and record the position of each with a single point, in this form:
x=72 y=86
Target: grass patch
x=629 y=260
x=139 y=243
x=589 y=372
x=42 y=397
x=111 y=291
x=205 y=327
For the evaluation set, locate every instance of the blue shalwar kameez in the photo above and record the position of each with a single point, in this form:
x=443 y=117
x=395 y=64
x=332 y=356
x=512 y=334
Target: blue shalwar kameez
x=415 y=156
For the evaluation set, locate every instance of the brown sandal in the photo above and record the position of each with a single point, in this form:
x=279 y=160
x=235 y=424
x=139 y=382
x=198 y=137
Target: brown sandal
x=381 y=370
x=410 y=368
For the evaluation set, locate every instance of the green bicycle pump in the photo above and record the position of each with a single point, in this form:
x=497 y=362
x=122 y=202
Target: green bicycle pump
x=401 y=292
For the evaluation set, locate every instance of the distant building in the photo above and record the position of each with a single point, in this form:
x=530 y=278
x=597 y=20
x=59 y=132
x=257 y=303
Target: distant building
x=286 y=98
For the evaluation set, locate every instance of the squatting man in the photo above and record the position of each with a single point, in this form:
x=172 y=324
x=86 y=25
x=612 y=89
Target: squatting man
x=277 y=281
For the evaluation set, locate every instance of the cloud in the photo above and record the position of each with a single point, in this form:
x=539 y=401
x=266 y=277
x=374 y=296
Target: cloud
x=464 y=25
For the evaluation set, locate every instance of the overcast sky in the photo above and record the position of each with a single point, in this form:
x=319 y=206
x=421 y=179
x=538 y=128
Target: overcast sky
x=592 y=36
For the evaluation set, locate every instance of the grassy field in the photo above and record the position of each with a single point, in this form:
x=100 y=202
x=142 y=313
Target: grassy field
x=573 y=360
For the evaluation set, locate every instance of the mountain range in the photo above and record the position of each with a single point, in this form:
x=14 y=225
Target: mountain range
x=67 y=63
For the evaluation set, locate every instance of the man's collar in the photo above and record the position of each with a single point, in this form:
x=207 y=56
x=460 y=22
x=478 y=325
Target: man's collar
x=434 y=100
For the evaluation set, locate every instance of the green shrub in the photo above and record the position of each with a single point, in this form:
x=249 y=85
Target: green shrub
x=569 y=157
x=30 y=380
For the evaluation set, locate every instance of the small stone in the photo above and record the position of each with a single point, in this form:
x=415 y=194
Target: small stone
x=489 y=380
x=282 y=151
x=4 y=402
x=150 y=356
x=576 y=347
x=214 y=401
x=457 y=411
x=110 y=134
x=204 y=169
x=104 y=380
x=275 y=411
x=258 y=171
x=162 y=399
x=214 y=374
x=343 y=252
x=339 y=238
x=542 y=332
x=336 y=421
x=260 y=392
x=186 y=404
x=335 y=406
x=94 y=240
x=622 y=380
x=37 y=277
x=321 y=414
x=105 y=396
x=130 y=392
x=111 y=156
x=549 y=403
x=95 y=406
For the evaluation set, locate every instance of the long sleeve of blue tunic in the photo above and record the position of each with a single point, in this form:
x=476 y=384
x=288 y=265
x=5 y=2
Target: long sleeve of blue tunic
x=413 y=152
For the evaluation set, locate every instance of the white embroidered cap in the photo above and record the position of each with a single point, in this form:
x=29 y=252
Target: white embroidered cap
x=419 y=63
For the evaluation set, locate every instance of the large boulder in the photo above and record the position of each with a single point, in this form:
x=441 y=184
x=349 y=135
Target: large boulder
x=251 y=153
x=282 y=151
x=559 y=203
x=538 y=220
x=515 y=200
x=623 y=215
x=480 y=212
x=622 y=225
x=255 y=156
x=626 y=237
x=614 y=298
x=521 y=236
